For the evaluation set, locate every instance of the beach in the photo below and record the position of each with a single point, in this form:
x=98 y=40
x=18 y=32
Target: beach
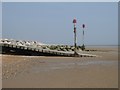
x=62 y=72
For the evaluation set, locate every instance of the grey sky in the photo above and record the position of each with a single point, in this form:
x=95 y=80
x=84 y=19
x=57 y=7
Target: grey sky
x=52 y=22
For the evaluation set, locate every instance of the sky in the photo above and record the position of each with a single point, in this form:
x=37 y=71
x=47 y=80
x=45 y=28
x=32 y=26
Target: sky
x=51 y=22
x=0 y=20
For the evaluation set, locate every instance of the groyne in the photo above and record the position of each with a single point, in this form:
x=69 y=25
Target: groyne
x=35 y=50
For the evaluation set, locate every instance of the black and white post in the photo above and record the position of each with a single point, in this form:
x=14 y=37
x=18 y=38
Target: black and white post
x=83 y=46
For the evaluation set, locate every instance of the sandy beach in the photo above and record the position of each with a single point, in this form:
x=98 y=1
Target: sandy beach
x=62 y=72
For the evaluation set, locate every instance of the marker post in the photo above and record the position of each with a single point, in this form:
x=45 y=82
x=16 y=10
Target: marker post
x=75 y=41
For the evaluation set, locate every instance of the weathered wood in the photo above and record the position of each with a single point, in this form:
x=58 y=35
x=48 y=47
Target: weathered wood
x=24 y=50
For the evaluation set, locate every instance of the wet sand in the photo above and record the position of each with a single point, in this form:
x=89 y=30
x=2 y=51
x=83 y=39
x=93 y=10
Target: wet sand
x=61 y=72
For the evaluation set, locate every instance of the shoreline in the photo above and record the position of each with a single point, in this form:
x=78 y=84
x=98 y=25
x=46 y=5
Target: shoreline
x=61 y=72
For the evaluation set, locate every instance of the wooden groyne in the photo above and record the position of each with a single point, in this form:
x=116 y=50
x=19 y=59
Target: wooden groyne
x=34 y=51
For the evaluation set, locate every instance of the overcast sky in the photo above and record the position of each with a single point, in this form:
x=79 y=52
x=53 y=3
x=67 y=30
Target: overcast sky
x=51 y=23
